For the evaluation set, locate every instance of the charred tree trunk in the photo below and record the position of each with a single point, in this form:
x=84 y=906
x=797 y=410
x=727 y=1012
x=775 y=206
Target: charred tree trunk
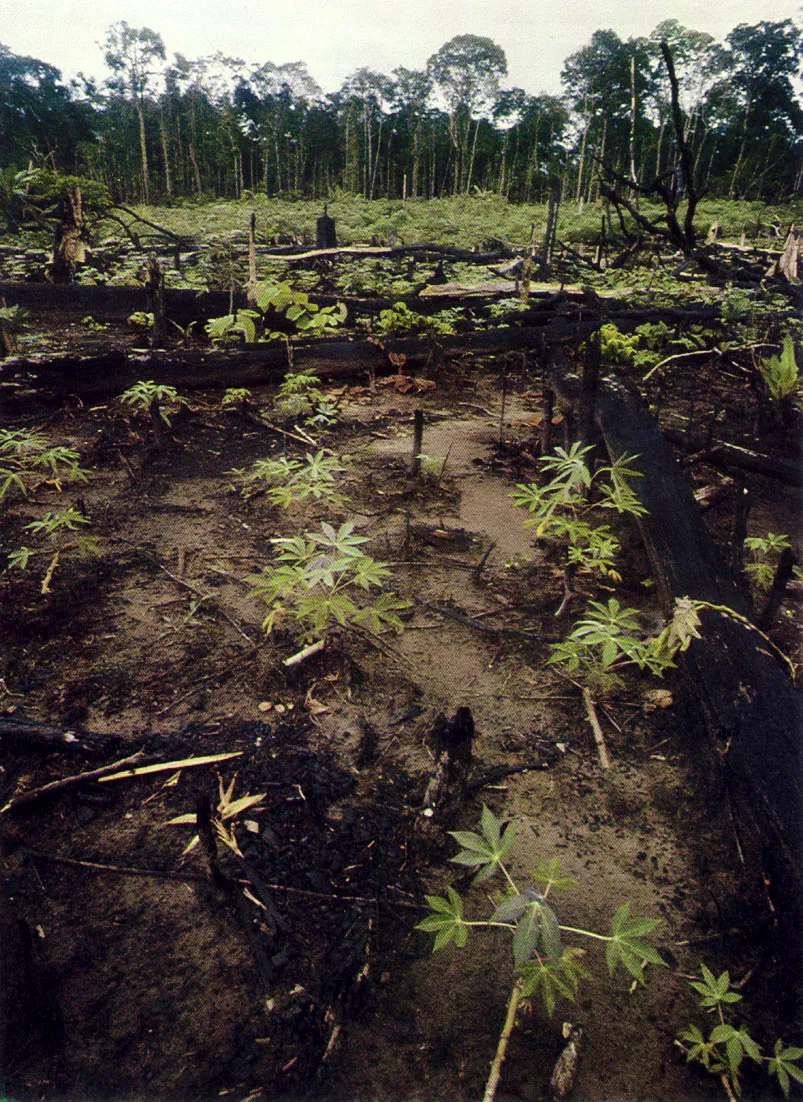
x=325 y=235
x=749 y=705
x=155 y=298
x=68 y=247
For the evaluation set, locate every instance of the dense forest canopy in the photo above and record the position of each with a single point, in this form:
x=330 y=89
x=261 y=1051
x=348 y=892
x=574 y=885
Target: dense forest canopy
x=216 y=126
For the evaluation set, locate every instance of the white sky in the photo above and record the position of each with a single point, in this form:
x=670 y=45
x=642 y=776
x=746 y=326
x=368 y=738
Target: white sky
x=335 y=37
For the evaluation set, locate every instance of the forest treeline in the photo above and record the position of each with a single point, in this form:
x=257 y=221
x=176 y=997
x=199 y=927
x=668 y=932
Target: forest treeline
x=160 y=130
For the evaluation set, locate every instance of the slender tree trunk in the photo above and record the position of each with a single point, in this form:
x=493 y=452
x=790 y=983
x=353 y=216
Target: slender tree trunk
x=165 y=153
x=633 y=117
x=470 y=172
x=659 y=149
x=143 y=148
x=738 y=166
x=582 y=151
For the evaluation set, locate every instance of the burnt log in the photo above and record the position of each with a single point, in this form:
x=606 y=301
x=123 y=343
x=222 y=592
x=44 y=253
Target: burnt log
x=110 y=373
x=728 y=456
x=749 y=706
x=23 y=733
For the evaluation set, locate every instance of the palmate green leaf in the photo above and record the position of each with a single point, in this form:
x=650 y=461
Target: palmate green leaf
x=382 y=613
x=553 y=979
x=9 y=478
x=569 y=466
x=513 y=907
x=485 y=851
x=714 y=990
x=698 y=1048
x=549 y=875
x=19 y=558
x=783 y=1066
x=445 y=920
x=626 y=945
x=536 y=929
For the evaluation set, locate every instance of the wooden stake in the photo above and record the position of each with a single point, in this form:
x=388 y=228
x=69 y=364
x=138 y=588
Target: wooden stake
x=418 y=442
x=599 y=738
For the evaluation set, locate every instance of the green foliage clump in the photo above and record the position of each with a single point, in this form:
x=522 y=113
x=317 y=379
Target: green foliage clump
x=780 y=373
x=316 y=580
x=610 y=638
x=764 y=553
x=561 y=509
x=289 y=481
x=723 y=1052
x=276 y=303
x=26 y=455
x=149 y=397
x=644 y=347
x=300 y=395
x=400 y=321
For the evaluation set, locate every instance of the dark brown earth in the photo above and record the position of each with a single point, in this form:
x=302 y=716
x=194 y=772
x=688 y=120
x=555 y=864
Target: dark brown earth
x=133 y=969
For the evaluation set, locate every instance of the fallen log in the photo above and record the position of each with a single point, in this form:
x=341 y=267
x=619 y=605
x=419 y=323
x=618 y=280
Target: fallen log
x=109 y=373
x=50 y=739
x=727 y=456
x=749 y=706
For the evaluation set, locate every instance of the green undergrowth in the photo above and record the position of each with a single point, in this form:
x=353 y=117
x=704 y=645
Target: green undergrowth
x=467 y=222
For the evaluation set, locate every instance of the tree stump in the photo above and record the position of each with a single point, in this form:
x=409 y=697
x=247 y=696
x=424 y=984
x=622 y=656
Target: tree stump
x=325 y=236
x=155 y=299
x=69 y=248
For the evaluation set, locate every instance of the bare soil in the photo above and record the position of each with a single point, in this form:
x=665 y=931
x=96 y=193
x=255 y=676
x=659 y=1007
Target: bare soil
x=295 y=970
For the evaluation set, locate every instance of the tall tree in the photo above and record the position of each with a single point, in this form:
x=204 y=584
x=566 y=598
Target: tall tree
x=766 y=60
x=608 y=83
x=466 y=72
x=701 y=65
x=133 y=54
x=364 y=99
x=40 y=120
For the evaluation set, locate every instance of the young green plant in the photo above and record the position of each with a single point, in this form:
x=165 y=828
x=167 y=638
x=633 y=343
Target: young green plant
x=53 y=527
x=27 y=456
x=317 y=578
x=287 y=482
x=561 y=509
x=542 y=963
x=150 y=398
x=722 y=1053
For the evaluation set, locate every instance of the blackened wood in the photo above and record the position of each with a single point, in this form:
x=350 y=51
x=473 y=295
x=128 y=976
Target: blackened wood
x=750 y=707
x=110 y=373
x=588 y=390
x=69 y=247
x=325 y=233
x=155 y=299
x=783 y=576
x=51 y=739
x=730 y=456
x=452 y=742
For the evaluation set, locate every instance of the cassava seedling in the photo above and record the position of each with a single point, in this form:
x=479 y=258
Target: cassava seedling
x=317 y=578
x=562 y=508
x=542 y=963
x=723 y=1052
x=149 y=398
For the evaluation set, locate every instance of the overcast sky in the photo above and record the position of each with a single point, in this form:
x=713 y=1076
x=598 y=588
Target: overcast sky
x=335 y=37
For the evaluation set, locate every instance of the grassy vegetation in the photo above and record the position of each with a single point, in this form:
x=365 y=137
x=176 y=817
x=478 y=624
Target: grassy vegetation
x=462 y=221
